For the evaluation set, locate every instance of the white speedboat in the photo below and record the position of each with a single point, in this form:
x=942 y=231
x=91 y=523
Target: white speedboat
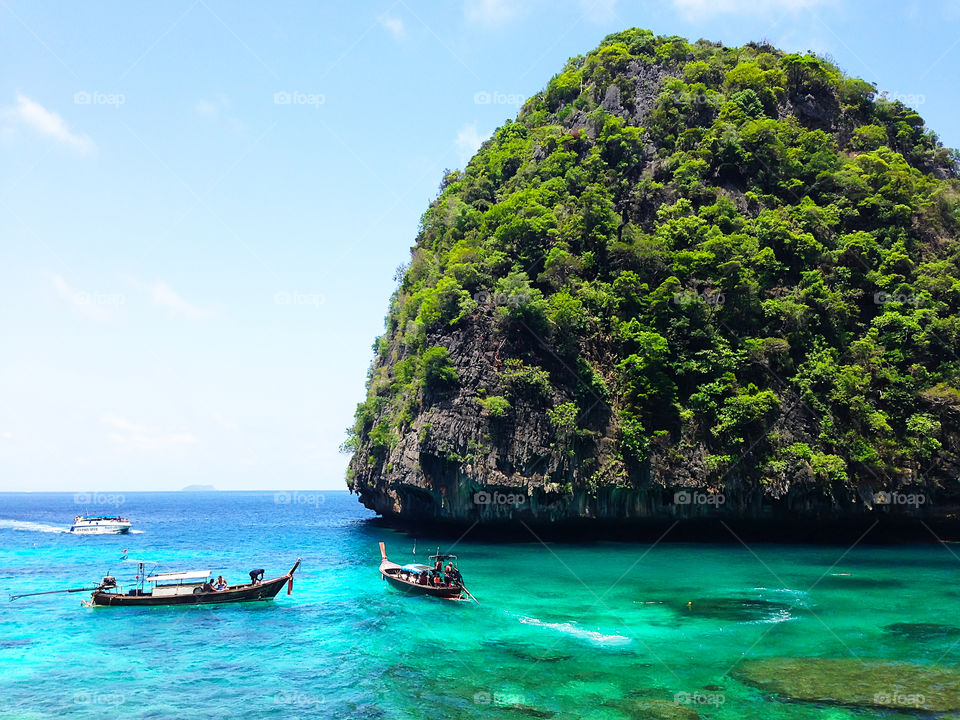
x=89 y=525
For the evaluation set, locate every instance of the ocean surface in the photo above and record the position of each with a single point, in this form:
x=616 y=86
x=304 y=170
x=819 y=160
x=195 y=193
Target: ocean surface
x=600 y=630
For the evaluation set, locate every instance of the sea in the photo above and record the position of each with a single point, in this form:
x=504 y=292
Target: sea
x=560 y=630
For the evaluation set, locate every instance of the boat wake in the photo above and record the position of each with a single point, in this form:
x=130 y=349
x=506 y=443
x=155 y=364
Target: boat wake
x=28 y=526
x=570 y=628
x=135 y=532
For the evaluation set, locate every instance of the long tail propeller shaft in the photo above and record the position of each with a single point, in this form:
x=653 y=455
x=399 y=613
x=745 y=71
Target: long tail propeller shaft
x=51 y=592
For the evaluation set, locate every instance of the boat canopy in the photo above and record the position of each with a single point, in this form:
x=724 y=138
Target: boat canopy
x=416 y=567
x=189 y=575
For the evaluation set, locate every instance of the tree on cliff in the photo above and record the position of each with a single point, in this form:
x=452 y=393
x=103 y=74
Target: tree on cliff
x=694 y=264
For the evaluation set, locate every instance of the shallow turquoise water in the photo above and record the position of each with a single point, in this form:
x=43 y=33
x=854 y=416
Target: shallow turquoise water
x=563 y=631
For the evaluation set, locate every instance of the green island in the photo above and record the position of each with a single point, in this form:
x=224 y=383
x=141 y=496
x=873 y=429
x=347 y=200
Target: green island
x=688 y=280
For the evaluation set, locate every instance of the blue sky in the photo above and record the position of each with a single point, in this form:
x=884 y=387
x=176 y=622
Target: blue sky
x=202 y=203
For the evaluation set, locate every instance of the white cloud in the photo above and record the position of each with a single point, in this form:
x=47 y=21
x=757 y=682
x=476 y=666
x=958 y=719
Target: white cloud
x=36 y=117
x=394 y=25
x=100 y=306
x=217 y=109
x=701 y=9
x=468 y=142
x=134 y=436
x=490 y=12
x=165 y=297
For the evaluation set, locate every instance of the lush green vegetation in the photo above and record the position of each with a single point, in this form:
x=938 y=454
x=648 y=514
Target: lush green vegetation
x=761 y=264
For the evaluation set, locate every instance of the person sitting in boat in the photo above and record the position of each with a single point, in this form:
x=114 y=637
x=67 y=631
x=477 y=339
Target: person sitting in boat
x=423 y=578
x=207 y=586
x=221 y=584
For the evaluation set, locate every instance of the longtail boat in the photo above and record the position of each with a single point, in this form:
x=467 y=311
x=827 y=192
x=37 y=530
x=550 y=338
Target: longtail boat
x=431 y=580
x=192 y=587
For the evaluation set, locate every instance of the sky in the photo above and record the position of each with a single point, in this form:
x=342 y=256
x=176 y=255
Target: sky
x=203 y=203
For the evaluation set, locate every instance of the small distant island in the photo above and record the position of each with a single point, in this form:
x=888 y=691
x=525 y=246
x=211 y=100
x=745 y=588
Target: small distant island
x=199 y=488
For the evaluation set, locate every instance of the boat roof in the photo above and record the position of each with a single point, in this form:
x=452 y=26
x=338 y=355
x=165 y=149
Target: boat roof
x=188 y=575
x=416 y=567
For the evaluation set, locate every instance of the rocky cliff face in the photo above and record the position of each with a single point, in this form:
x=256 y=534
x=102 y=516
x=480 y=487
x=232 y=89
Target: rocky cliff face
x=688 y=282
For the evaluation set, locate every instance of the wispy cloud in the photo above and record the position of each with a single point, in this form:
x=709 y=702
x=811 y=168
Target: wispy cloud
x=166 y=298
x=99 y=306
x=702 y=9
x=135 y=436
x=394 y=25
x=34 y=116
x=490 y=12
x=468 y=142
x=219 y=109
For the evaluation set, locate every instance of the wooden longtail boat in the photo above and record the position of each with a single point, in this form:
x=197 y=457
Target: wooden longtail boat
x=182 y=588
x=407 y=578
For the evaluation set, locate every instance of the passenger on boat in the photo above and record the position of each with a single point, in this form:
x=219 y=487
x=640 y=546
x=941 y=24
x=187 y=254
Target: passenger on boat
x=423 y=578
x=207 y=586
x=256 y=576
x=221 y=584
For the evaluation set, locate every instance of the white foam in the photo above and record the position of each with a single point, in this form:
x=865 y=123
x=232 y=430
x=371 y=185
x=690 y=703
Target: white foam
x=30 y=526
x=572 y=629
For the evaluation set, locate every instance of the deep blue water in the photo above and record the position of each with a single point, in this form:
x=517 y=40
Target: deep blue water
x=598 y=630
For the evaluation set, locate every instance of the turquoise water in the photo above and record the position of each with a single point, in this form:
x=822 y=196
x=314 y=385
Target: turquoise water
x=566 y=631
